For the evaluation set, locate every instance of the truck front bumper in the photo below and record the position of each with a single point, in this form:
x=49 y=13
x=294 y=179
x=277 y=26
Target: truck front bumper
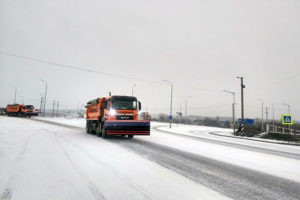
x=127 y=127
x=30 y=114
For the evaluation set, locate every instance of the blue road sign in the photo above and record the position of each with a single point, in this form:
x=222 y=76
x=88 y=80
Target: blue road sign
x=224 y=122
x=170 y=117
x=180 y=114
x=249 y=122
x=287 y=119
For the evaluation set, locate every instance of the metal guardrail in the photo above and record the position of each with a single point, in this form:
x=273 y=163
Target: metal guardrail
x=283 y=130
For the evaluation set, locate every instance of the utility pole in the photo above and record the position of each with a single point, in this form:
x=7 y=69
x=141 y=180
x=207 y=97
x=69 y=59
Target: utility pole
x=171 y=100
x=267 y=114
x=186 y=99
x=242 y=104
x=233 y=109
x=45 y=97
x=262 y=114
x=15 y=93
x=273 y=118
x=132 y=89
x=77 y=109
x=57 y=105
x=53 y=108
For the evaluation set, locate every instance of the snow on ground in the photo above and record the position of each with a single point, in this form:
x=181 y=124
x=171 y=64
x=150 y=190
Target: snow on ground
x=209 y=133
x=263 y=162
x=196 y=130
x=42 y=161
x=78 y=122
x=271 y=164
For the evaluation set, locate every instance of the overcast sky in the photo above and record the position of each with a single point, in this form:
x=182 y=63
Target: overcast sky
x=200 y=44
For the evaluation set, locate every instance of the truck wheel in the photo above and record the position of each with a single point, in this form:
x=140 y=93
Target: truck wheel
x=98 y=130
x=130 y=136
x=104 y=135
x=88 y=128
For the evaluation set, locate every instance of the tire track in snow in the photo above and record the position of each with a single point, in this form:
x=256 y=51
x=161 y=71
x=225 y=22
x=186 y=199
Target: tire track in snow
x=135 y=186
x=92 y=187
x=7 y=193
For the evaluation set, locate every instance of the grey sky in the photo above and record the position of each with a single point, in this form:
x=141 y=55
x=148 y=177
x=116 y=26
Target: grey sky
x=201 y=44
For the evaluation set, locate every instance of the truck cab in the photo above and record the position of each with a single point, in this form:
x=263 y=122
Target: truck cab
x=121 y=108
x=28 y=111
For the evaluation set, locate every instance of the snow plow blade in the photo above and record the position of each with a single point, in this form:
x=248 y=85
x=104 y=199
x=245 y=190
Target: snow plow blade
x=127 y=127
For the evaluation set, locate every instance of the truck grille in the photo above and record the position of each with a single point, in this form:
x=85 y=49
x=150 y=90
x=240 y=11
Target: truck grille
x=124 y=117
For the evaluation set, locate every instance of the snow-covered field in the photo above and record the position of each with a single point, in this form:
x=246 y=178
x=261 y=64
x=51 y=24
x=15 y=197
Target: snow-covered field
x=44 y=161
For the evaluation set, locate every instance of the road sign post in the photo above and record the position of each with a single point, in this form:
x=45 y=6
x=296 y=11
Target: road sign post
x=170 y=118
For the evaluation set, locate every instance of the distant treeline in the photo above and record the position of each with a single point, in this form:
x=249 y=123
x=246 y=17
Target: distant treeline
x=206 y=121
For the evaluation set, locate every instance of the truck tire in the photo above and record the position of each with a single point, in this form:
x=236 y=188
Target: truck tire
x=130 y=136
x=104 y=135
x=88 y=127
x=98 y=130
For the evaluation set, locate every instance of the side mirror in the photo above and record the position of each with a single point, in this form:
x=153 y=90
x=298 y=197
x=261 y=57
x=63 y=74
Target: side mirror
x=140 y=106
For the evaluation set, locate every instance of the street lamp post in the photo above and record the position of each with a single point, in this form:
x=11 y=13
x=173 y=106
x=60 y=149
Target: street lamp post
x=45 y=97
x=41 y=104
x=262 y=114
x=171 y=99
x=132 y=89
x=181 y=110
x=289 y=109
x=233 y=109
x=186 y=99
x=15 y=93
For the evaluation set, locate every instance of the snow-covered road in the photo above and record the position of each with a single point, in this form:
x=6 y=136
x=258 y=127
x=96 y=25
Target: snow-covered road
x=44 y=161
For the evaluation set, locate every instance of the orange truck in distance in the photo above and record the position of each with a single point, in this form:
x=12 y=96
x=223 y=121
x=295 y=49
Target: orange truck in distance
x=20 y=110
x=115 y=115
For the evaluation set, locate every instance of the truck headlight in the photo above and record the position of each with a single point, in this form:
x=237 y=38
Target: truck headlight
x=112 y=112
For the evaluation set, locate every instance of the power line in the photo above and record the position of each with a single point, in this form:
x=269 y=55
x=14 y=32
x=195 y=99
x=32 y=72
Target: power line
x=80 y=68
x=67 y=66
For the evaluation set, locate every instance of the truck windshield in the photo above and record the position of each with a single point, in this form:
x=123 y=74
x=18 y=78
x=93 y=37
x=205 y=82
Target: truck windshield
x=124 y=105
x=28 y=107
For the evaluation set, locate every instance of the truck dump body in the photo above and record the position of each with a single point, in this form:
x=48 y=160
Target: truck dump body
x=13 y=109
x=115 y=115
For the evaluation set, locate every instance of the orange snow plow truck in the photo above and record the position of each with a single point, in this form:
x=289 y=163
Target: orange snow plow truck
x=115 y=115
x=20 y=110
